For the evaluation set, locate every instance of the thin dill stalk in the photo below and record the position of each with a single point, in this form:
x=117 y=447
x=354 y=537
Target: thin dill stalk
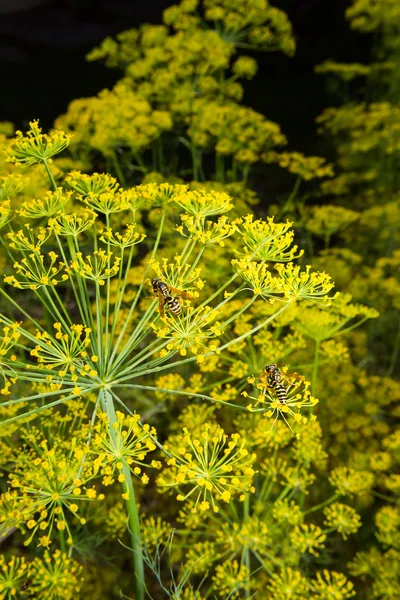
x=107 y=403
x=315 y=369
x=49 y=173
x=211 y=353
x=134 y=303
x=117 y=168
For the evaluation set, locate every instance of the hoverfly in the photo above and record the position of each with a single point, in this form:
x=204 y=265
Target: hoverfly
x=274 y=378
x=165 y=298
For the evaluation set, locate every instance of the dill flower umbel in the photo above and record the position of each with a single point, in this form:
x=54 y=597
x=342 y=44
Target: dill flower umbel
x=35 y=146
x=213 y=466
x=13 y=575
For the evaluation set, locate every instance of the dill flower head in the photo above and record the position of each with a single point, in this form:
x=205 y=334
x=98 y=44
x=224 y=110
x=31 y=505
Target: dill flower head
x=65 y=353
x=8 y=338
x=252 y=534
x=343 y=518
x=303 y=285
x=288 y=583
x=348 y=481
x=51 y=204
x=55 y=576
x=192 y=331
x=267 y=240
x=331 y=585
x=13 y=575
x=35 y=146
x=202 y=204
x=47 y=487
x=72 y=224
x=36 y=271
x=129 y=238
x=308 y=537
x=98 y=266
x=268 y=402
x=213 y=466
x=306 y=167
x=96 y=183
x=209 y=233
x=127 y=446
x=230 y=578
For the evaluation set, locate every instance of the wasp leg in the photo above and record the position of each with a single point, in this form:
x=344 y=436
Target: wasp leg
x=160 y=303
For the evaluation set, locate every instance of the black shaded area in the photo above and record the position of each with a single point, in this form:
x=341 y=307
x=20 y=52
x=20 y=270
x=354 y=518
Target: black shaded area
x=43 y=66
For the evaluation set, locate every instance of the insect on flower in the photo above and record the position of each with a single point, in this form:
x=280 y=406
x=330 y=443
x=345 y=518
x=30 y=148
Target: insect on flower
x=274 y=378
x=165 y=298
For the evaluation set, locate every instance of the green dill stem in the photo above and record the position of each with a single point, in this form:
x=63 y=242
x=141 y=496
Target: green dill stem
x=246 y=551
x=288 y=204
x=107 y=403
x=49 y=173
x=45 y=406
x=179 y=392
x=395 y=354
x=117 y=168
x=322 y=504
x=62 y=540
x=315 y=369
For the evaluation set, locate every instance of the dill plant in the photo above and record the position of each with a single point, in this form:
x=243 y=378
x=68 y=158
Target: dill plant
x=74 y=259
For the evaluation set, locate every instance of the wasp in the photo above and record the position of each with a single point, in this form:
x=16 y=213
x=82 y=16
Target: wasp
x=274 y=378
x=165 y=298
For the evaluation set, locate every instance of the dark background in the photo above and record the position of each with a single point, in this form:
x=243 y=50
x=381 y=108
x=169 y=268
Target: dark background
x=43 y=66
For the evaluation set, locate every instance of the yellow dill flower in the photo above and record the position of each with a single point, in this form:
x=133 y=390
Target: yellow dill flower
x=303 y=285
x=245 y=66
x=252 y=534
x=128 y=445
x=126 y=240
x=387 y=520
x=106 y=203
x=298 y=396
x=287 y=511
x=29 y=240
x=347 y=481
x=330 y=584
x=50 y=205
x=97 y=183
x=201 y=555
x=308 y=538
x=47 y=484
x=230 y=577
x=55 y=576
x=171 y=381
x=96 y=267
x=306 y=167
x=202 y=203
x=288 y=583
x=209 y=233
x=72 y=224
x=343 y=518
x=13 y=575
x=155 y=531
x=36 y=146
x=66 y=352
x=213 y=466
x=266 y=240
x=5 y=212
x=36 y=271
x=192 y=331
x=178 y=274
x=259 y=278
x=11 y=185
x=326 y=220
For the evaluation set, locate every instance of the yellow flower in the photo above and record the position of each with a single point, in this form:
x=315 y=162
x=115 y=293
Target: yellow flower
x=267 y=240
x=211 y=466
x=35 y=146
x=129 y=238
x=97 y=267
x=50 y=205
